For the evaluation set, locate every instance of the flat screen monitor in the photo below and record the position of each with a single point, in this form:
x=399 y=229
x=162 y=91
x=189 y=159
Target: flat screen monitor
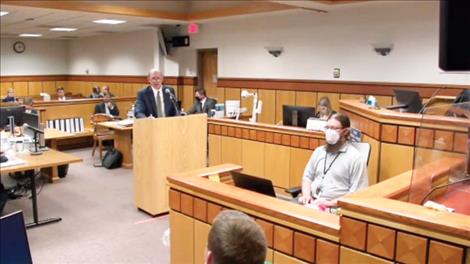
x=410 y=100
x=14 y=246
x=15 y=111
x=293 y=115
x=32 y=119
x=254 y=184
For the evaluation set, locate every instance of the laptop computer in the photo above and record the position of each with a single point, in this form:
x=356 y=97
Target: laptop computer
x=258 y=185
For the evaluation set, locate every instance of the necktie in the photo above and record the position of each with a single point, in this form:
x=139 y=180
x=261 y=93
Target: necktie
x=158 y=99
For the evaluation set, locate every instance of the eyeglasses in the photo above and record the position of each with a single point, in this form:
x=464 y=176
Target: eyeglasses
x=334 y=128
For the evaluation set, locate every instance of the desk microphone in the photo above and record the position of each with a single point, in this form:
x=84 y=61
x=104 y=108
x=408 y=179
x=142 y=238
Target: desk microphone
x=173 y=101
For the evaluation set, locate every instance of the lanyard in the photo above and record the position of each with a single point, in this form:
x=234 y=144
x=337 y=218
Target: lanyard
x=325 y=170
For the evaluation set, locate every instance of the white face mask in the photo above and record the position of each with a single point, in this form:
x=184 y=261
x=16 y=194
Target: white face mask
x=332 y=136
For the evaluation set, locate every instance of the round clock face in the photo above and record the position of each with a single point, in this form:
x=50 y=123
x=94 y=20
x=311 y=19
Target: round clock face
x=19 y=47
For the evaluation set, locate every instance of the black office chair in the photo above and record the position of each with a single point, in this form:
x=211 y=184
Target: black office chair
x=14 y=246
x=363 y=147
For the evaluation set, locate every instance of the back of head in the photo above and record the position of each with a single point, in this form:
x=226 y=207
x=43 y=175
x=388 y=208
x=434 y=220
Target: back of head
x=28 y=101
x=235 y=238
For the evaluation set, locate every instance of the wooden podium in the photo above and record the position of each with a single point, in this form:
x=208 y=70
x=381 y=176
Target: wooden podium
x=162 y=147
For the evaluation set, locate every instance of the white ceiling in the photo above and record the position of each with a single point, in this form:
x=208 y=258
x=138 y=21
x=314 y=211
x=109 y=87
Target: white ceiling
x=24 y=19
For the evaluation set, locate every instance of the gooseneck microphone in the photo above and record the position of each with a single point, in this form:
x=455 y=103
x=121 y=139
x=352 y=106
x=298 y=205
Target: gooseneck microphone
x=173 y=101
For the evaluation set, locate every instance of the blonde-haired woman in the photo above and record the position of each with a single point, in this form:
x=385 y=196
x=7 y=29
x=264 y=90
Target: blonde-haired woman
x=324 y=109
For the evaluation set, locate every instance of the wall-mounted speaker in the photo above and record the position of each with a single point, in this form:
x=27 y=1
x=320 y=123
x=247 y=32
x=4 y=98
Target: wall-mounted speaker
x=180 y=41
x=454 y=35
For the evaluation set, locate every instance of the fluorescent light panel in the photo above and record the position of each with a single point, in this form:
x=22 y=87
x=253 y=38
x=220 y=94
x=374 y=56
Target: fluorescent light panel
x=109 y=21
x=30 y=35
x=63 y=29
x=2 y=13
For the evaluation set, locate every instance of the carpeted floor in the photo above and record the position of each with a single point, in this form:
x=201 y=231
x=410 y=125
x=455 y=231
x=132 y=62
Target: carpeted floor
x=100 y=223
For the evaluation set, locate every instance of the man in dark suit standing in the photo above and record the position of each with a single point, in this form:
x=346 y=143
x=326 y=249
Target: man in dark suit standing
x=203 y=104
x=155 y=100
x=107 y=107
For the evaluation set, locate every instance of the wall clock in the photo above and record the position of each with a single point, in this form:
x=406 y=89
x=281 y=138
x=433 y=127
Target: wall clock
x=19 y=47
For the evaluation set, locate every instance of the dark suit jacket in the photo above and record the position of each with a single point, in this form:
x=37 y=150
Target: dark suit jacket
x=8 y=99
x=145 y=105
x=101 y=109
x=208 y=106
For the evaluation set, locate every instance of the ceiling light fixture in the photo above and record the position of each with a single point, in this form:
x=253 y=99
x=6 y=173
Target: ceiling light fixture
x=2 y=13
x=109 y=21
x=63 y=29
x=30 y=35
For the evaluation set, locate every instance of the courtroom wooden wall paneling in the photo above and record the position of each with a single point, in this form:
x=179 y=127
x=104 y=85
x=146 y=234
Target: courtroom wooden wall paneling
x=4 y=86
x=269 y=255
x=253 y=155
x=394 y=159
x=220 y=95
x=280 y=258
x=306 y=99
x=21 y=88
x=215 y=150
x=373 y=166
x=383 y=100
x=268 y=113
x=34 y=88
x=232 y=94
x=334 y=99
x=49 y=87
x=283 y=98
x=231 y=150
x=182 y=249
x=188 y=97
x=348 y=255
x=298 y=159
x=277 y=164
x=357 y=97
x=201 y=233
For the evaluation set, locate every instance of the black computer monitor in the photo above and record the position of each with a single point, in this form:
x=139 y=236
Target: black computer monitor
x=252 y=183
x=293 y=115
x=14 y=246
x=410 y=100
x=15 y=111
x=32 y=119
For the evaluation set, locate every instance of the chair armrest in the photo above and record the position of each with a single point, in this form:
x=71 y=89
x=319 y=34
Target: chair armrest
x=294 y=191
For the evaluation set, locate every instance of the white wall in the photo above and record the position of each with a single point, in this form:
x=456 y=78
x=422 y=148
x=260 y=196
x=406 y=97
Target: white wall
x=41 y=57
x=315 y=43
x=133 y=53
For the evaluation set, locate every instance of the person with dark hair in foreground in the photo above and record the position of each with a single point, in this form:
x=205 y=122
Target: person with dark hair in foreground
x=235 y=238
x=335 y=169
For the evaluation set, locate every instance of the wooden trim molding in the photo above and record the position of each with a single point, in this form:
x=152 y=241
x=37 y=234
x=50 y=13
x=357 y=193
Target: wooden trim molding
x=350 y=87
x=171 y=80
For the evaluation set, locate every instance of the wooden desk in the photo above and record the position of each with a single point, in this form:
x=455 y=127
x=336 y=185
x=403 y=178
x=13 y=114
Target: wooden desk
x=54 y=135
x=295 y=234
x=122 y=141
x=278 y=153
x=49 y=159
x=400 y=231
x=396 y=138
x=376 y=226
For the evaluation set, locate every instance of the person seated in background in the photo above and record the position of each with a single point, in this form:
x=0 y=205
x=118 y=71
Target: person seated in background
x=61 y=94
x=10 y=96
x=107 y=107
x=324 y=109
x=461 y=105
x=106 y=90
x=202 y=104
x=95 y=92
x=334 y=169
x=235 y=238
x=28 y=105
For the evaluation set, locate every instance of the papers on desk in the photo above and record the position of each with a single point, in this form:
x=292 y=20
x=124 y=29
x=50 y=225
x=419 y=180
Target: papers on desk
x=315 y=124
x=125 y=123
x=12 y=162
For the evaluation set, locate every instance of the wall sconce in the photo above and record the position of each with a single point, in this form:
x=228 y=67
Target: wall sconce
x=383 y=48
x=275 y=51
